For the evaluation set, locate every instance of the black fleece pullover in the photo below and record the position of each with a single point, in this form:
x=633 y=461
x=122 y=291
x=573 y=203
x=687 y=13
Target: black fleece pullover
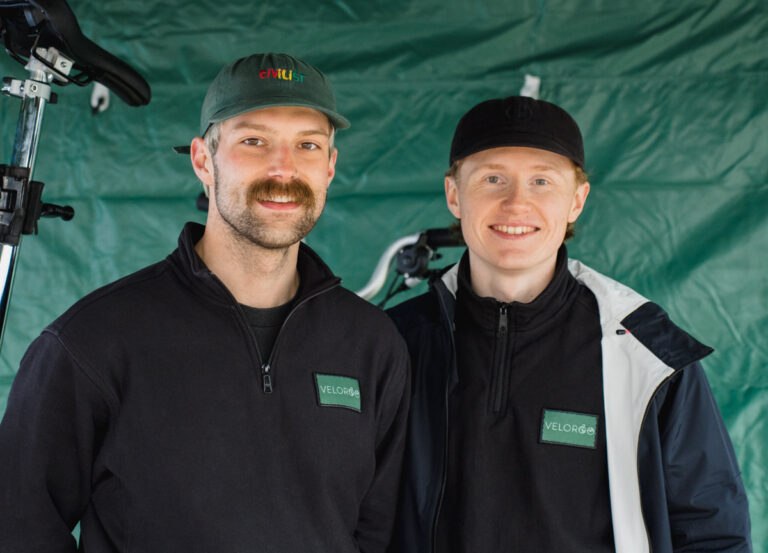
x=147 y=413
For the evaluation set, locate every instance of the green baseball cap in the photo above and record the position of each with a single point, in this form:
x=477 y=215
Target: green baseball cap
x=268 y=80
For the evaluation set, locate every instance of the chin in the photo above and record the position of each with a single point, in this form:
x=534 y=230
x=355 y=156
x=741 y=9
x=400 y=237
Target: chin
x=515 y=262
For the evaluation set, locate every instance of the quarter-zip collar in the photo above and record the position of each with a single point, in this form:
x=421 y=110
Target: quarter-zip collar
x=315 y=279
x=483 y=312
x=315 y=274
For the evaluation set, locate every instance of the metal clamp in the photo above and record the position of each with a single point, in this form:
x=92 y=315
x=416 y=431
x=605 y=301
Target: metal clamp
x=21 y=205
x=29 y=88
x=47 y=65
x=51 y=63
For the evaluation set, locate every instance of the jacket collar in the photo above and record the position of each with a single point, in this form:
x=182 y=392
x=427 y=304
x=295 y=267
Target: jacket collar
x=483 y=312
x=314 y=273
x=616 y=304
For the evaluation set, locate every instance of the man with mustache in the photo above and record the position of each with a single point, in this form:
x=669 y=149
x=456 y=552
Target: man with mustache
x=232 y=397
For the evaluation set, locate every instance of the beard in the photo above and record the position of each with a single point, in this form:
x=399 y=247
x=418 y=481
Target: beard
x=278 y=230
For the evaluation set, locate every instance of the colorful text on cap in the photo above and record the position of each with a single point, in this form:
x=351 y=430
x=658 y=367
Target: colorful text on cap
x=283 y=74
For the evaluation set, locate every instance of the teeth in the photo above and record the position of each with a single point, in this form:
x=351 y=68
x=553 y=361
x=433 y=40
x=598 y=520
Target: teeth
x=280 y=199
x=513 y=230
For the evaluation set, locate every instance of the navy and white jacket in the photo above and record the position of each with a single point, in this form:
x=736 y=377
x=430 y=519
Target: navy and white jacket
x=673 y=477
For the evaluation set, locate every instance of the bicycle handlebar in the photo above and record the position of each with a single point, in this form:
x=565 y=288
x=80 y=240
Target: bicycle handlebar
x=379 y=276
x=410 y=248
x=448 y=237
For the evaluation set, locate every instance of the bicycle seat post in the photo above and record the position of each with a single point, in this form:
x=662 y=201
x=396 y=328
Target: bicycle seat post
x=34 y=92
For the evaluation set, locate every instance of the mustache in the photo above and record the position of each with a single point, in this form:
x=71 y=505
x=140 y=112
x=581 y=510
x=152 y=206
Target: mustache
x=268 y=188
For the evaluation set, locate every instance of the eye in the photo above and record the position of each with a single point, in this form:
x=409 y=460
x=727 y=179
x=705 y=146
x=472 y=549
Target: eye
x=309 y=146
x=539 y=181
x=493 y=179
x=253 y=141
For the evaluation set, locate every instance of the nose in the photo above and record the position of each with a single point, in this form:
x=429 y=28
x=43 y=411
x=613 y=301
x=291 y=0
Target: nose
x=282 y=164
x=514 y=197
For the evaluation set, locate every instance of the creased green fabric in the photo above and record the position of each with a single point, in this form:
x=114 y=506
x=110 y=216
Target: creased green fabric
x=670 y=96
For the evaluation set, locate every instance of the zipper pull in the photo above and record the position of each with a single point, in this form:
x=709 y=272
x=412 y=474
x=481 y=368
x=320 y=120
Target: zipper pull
x=266 y=378
x=503 y=320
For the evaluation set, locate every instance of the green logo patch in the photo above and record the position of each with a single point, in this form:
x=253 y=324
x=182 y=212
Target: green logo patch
x=566 y=428
x=337 y=391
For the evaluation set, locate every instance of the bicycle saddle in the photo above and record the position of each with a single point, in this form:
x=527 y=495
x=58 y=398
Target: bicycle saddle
x=27 y=24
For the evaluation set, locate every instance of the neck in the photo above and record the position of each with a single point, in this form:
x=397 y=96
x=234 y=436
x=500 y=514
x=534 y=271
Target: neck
x=255 y=276
x=510 y=286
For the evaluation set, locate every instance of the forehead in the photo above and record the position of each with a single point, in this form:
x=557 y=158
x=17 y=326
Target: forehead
x=281 y=119
x=516 y=158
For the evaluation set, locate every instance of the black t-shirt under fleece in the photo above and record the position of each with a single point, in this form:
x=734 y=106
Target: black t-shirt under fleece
x=266 y=323
x=506 y=489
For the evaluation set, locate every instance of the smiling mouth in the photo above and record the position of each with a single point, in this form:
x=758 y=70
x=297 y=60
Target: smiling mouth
x=279 y=203
x=514 y=230
x=279 y=200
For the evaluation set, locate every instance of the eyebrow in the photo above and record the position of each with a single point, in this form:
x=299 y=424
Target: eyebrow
x=260 y=127
x=545 y=167
x=490 y=166
x=309 y=132
x=247 y=125
x=500 y=167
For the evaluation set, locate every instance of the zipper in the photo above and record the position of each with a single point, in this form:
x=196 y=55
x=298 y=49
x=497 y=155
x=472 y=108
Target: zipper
x=266 y=378
x=266 y=367
x=499 y=361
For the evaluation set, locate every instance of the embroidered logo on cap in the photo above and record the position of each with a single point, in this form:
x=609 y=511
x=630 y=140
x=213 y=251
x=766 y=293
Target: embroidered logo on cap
x=567 y=428
x=283 y=74
x=337 y=391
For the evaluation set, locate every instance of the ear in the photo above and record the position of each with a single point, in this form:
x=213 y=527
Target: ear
x=202 y=162
x=332 y=165
x=452 y=196
x=579 y=199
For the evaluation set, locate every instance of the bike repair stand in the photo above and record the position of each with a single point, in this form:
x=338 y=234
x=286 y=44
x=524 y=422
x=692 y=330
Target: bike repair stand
x=20 y=197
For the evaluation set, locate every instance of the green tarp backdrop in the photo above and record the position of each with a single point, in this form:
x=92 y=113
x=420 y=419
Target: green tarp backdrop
x=672 y=98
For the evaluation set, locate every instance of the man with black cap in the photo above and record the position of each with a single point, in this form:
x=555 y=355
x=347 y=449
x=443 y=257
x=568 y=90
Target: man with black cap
x=232 y=397
x=553 y=408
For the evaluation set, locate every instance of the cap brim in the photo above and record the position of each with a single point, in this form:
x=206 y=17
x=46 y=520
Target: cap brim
x=182 y=149
x=339 y=121
x=527 y=140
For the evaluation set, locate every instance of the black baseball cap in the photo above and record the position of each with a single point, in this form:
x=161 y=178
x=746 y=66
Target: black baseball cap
x=517 y=121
